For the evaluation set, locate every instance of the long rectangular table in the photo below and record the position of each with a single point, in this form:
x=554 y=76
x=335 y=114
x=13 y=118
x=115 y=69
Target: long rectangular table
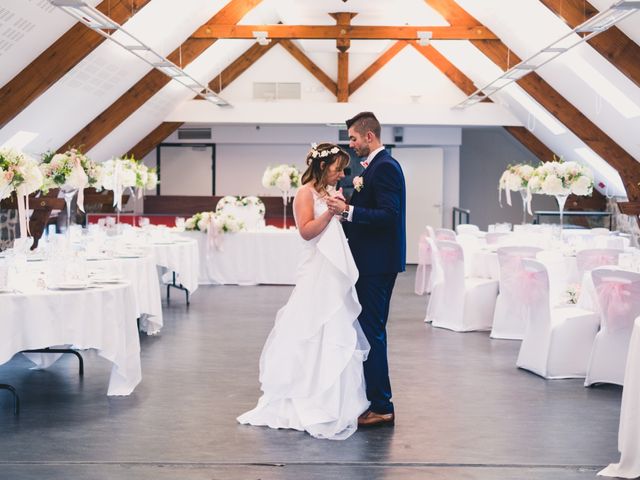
x=269 y=256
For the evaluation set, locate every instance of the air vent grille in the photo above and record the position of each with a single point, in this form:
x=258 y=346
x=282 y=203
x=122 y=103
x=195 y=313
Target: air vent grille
x=276 y=91
x=194 y=133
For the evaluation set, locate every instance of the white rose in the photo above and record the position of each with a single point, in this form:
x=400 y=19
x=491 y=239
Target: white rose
x=203 y=224
x=127 y=177
x=190 y=224
x=552 y=185
x=526 y=171
x=534 y=184
x=582 y=186
x=33 y=178
x=513 y=182
x=283 y=183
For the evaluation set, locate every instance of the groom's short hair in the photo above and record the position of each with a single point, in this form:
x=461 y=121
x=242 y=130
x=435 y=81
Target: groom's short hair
x=365 y=122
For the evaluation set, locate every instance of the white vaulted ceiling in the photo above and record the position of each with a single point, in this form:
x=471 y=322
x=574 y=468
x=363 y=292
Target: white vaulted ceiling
x=408 y=87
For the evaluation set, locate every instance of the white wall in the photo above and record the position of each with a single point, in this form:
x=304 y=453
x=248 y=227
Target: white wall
x=244 y=151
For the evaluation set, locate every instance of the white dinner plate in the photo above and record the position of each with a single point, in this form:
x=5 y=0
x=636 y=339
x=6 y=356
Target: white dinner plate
x=70 y=286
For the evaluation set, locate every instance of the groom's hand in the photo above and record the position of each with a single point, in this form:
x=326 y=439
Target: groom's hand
x=336 y=205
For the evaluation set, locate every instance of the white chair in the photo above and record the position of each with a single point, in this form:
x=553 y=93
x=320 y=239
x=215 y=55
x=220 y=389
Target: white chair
x=556 y=266
x=423 y=270
x=509 y=320
x=494 y=238
x=445 y=234
x=457 y=303
x=431 y=233
x=591 y=258
x=618 y=295
x=470 y=246
x=467 y=228
x=557 y=341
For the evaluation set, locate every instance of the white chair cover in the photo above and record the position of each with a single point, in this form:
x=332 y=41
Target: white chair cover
x=629 y=432
x=458 y=304
x=556 y=267
x=493 y=238
x=509 y=320
x=467 y=228
x=618 y=295
x=445 y=234
x=557 y=342
x=423 y=270
x=431 y=233
x=591 y=258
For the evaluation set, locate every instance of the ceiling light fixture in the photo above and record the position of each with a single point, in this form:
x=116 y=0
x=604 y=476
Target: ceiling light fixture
x=102 y=24
x=424 y=38
x=595 y=25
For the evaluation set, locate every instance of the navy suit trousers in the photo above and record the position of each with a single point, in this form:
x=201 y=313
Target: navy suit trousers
x=374 y=293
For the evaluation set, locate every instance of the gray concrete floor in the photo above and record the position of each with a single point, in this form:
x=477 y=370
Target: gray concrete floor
x=464 y=411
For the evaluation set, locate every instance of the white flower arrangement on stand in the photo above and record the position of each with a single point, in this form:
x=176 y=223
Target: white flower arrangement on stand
x=559 y=178
x=285 y=178
x=20 y=173
x=71 y=172
x=516 y=179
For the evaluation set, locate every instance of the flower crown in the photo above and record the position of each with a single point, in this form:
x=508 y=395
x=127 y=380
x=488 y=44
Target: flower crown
x=315 y=153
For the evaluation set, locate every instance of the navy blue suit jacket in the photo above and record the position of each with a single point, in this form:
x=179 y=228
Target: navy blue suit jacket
x=377 y=231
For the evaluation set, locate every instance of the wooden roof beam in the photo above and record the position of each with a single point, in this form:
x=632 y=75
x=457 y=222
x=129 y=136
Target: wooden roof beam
x=61 y=56
x=217 y=84
x=353 y=32
x=152 y=82
x=612 y=44
x=563 y=110
x=380 y=62
x=311 y=67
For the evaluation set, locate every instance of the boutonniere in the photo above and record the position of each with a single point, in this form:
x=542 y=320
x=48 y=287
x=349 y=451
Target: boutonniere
x=364 y=164
x=358 y=183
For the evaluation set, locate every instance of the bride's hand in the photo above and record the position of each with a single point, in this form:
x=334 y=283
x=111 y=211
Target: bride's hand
x=339 y=194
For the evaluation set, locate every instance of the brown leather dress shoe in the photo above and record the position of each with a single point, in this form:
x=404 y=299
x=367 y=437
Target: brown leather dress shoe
x=373 y=419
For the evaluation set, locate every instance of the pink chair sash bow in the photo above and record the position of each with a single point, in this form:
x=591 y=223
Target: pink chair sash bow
x=527 y=286
x=619 y=302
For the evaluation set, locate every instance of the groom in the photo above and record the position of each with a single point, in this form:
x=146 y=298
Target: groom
x=374 y=223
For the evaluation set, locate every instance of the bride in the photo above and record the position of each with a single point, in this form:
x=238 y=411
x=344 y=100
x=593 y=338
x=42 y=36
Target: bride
x=311 y=364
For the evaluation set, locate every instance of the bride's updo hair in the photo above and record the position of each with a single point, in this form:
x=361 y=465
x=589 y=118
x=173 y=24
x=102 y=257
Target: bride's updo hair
x=319 y=158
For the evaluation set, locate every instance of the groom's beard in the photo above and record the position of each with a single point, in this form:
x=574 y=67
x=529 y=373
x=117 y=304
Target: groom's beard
x=363 y=152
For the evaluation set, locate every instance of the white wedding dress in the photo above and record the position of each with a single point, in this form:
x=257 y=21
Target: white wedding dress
x=311 y=364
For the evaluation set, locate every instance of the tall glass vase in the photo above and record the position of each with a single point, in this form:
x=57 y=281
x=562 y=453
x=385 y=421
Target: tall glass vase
x=68 y=198
x=561 y=199
x=523 y=194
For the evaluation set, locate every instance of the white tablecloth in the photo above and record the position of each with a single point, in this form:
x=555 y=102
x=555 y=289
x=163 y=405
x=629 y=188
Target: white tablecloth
x=268 y=256
x=101 y=318
x=629 y=433
x=181 y=256
x=143 y=275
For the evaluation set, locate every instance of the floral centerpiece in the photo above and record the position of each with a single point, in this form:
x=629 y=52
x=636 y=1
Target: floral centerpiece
x=560 y=178
x=221 y=223
x=19 y=173
x=285 y=178
x=516 y=179
x=240 y=201
x=214 y=225
x=249 y=210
